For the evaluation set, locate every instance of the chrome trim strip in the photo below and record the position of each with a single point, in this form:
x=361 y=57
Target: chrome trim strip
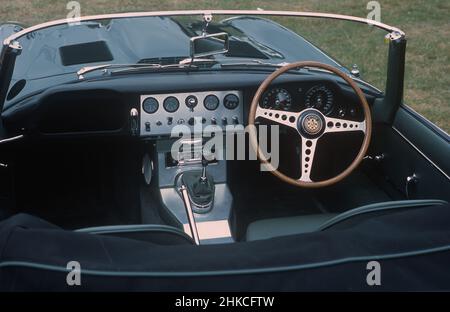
x=421 y=153
x=380 y=25
x=18 y=137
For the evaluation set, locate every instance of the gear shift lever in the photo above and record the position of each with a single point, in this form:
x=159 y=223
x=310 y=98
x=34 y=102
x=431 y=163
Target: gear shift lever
x=200 y=187
x=204 y=178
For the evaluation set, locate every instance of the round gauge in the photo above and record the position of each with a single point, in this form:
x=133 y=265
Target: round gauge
x=231 y=101
x=171 y=104
x=277 y=98
x=321 y=98
x=150 y=105
x=191 y=101
x=211 y=102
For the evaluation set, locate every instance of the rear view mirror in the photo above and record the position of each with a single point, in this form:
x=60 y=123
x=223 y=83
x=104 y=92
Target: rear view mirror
x=209 y=45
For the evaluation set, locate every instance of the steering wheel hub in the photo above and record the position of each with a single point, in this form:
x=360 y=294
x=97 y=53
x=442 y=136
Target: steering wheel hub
x=311 y=124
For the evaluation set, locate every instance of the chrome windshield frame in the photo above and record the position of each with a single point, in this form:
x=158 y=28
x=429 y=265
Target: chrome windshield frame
x=377 y=24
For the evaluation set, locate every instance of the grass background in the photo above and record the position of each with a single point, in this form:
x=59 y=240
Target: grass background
x=426 y=23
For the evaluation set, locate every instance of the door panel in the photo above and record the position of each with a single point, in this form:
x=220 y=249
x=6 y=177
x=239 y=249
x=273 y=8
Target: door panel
x=412 y=147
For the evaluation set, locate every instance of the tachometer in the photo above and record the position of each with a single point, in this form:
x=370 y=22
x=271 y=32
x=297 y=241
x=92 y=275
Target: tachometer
x=277 y=98
x=320 y=98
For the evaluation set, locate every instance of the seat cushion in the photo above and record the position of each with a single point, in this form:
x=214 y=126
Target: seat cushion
x=269 y=228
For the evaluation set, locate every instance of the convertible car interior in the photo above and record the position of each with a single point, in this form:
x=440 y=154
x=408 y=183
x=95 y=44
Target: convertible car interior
x=89 y=173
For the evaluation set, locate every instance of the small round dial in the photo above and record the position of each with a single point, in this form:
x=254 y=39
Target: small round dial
x=277 y=98
x=191 y=101
x=211 y=102
x=150 y=105
x=320 y=98
x=171 y=104
x=231 y=101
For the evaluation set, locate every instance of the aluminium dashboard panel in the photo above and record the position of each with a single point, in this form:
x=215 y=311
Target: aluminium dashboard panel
x=199 y=111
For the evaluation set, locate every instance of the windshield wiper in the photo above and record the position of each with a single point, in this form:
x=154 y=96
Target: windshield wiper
x=104 y=67
x=254 y=63
x=191 y=61
x=127 y=67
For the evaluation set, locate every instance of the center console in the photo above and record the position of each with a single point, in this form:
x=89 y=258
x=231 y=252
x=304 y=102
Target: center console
x=193 y=190
x=195 y=186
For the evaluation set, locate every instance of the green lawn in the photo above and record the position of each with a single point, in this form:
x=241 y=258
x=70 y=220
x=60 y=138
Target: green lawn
x=426 y=23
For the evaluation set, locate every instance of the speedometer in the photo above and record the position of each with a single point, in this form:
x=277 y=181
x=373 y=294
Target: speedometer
x=320 y=98
x=277 y=98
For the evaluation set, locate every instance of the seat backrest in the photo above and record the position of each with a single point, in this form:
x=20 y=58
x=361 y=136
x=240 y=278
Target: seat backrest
x=151 y=233
x=363 y=212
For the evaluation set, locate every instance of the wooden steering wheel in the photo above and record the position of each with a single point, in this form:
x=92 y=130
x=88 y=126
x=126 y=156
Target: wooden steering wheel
x=310 y=124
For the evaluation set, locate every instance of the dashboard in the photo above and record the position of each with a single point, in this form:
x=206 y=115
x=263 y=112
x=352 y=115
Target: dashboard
x=150 y=106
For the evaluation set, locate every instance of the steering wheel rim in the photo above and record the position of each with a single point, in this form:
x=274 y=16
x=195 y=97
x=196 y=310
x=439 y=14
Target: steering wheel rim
x=286 y=118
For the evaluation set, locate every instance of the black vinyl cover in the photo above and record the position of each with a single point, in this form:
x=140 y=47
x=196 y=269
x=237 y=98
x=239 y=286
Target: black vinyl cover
x=412 y=247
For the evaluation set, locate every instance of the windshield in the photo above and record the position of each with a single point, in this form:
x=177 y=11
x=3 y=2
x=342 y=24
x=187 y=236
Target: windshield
x=53 y=55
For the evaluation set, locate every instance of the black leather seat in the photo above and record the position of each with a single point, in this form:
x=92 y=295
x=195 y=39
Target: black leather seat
x=151 y=233
x=264 y=229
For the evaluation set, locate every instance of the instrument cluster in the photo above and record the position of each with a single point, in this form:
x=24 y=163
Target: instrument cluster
x=321 y=96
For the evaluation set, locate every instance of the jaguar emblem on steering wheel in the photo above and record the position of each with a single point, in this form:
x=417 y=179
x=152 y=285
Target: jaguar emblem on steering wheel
x=312 y=124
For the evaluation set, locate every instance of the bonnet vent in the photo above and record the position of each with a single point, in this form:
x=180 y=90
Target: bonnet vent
x=91 y=52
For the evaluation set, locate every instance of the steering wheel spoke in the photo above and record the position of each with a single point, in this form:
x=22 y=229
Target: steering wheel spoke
x=279 y=116
x=307 y=158
x=343 y=125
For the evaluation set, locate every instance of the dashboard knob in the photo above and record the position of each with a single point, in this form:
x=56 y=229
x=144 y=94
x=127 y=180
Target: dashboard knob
x=224 y=121
x=180 y=121
x=235 y=120
x=191 y=121
x=213 y=121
